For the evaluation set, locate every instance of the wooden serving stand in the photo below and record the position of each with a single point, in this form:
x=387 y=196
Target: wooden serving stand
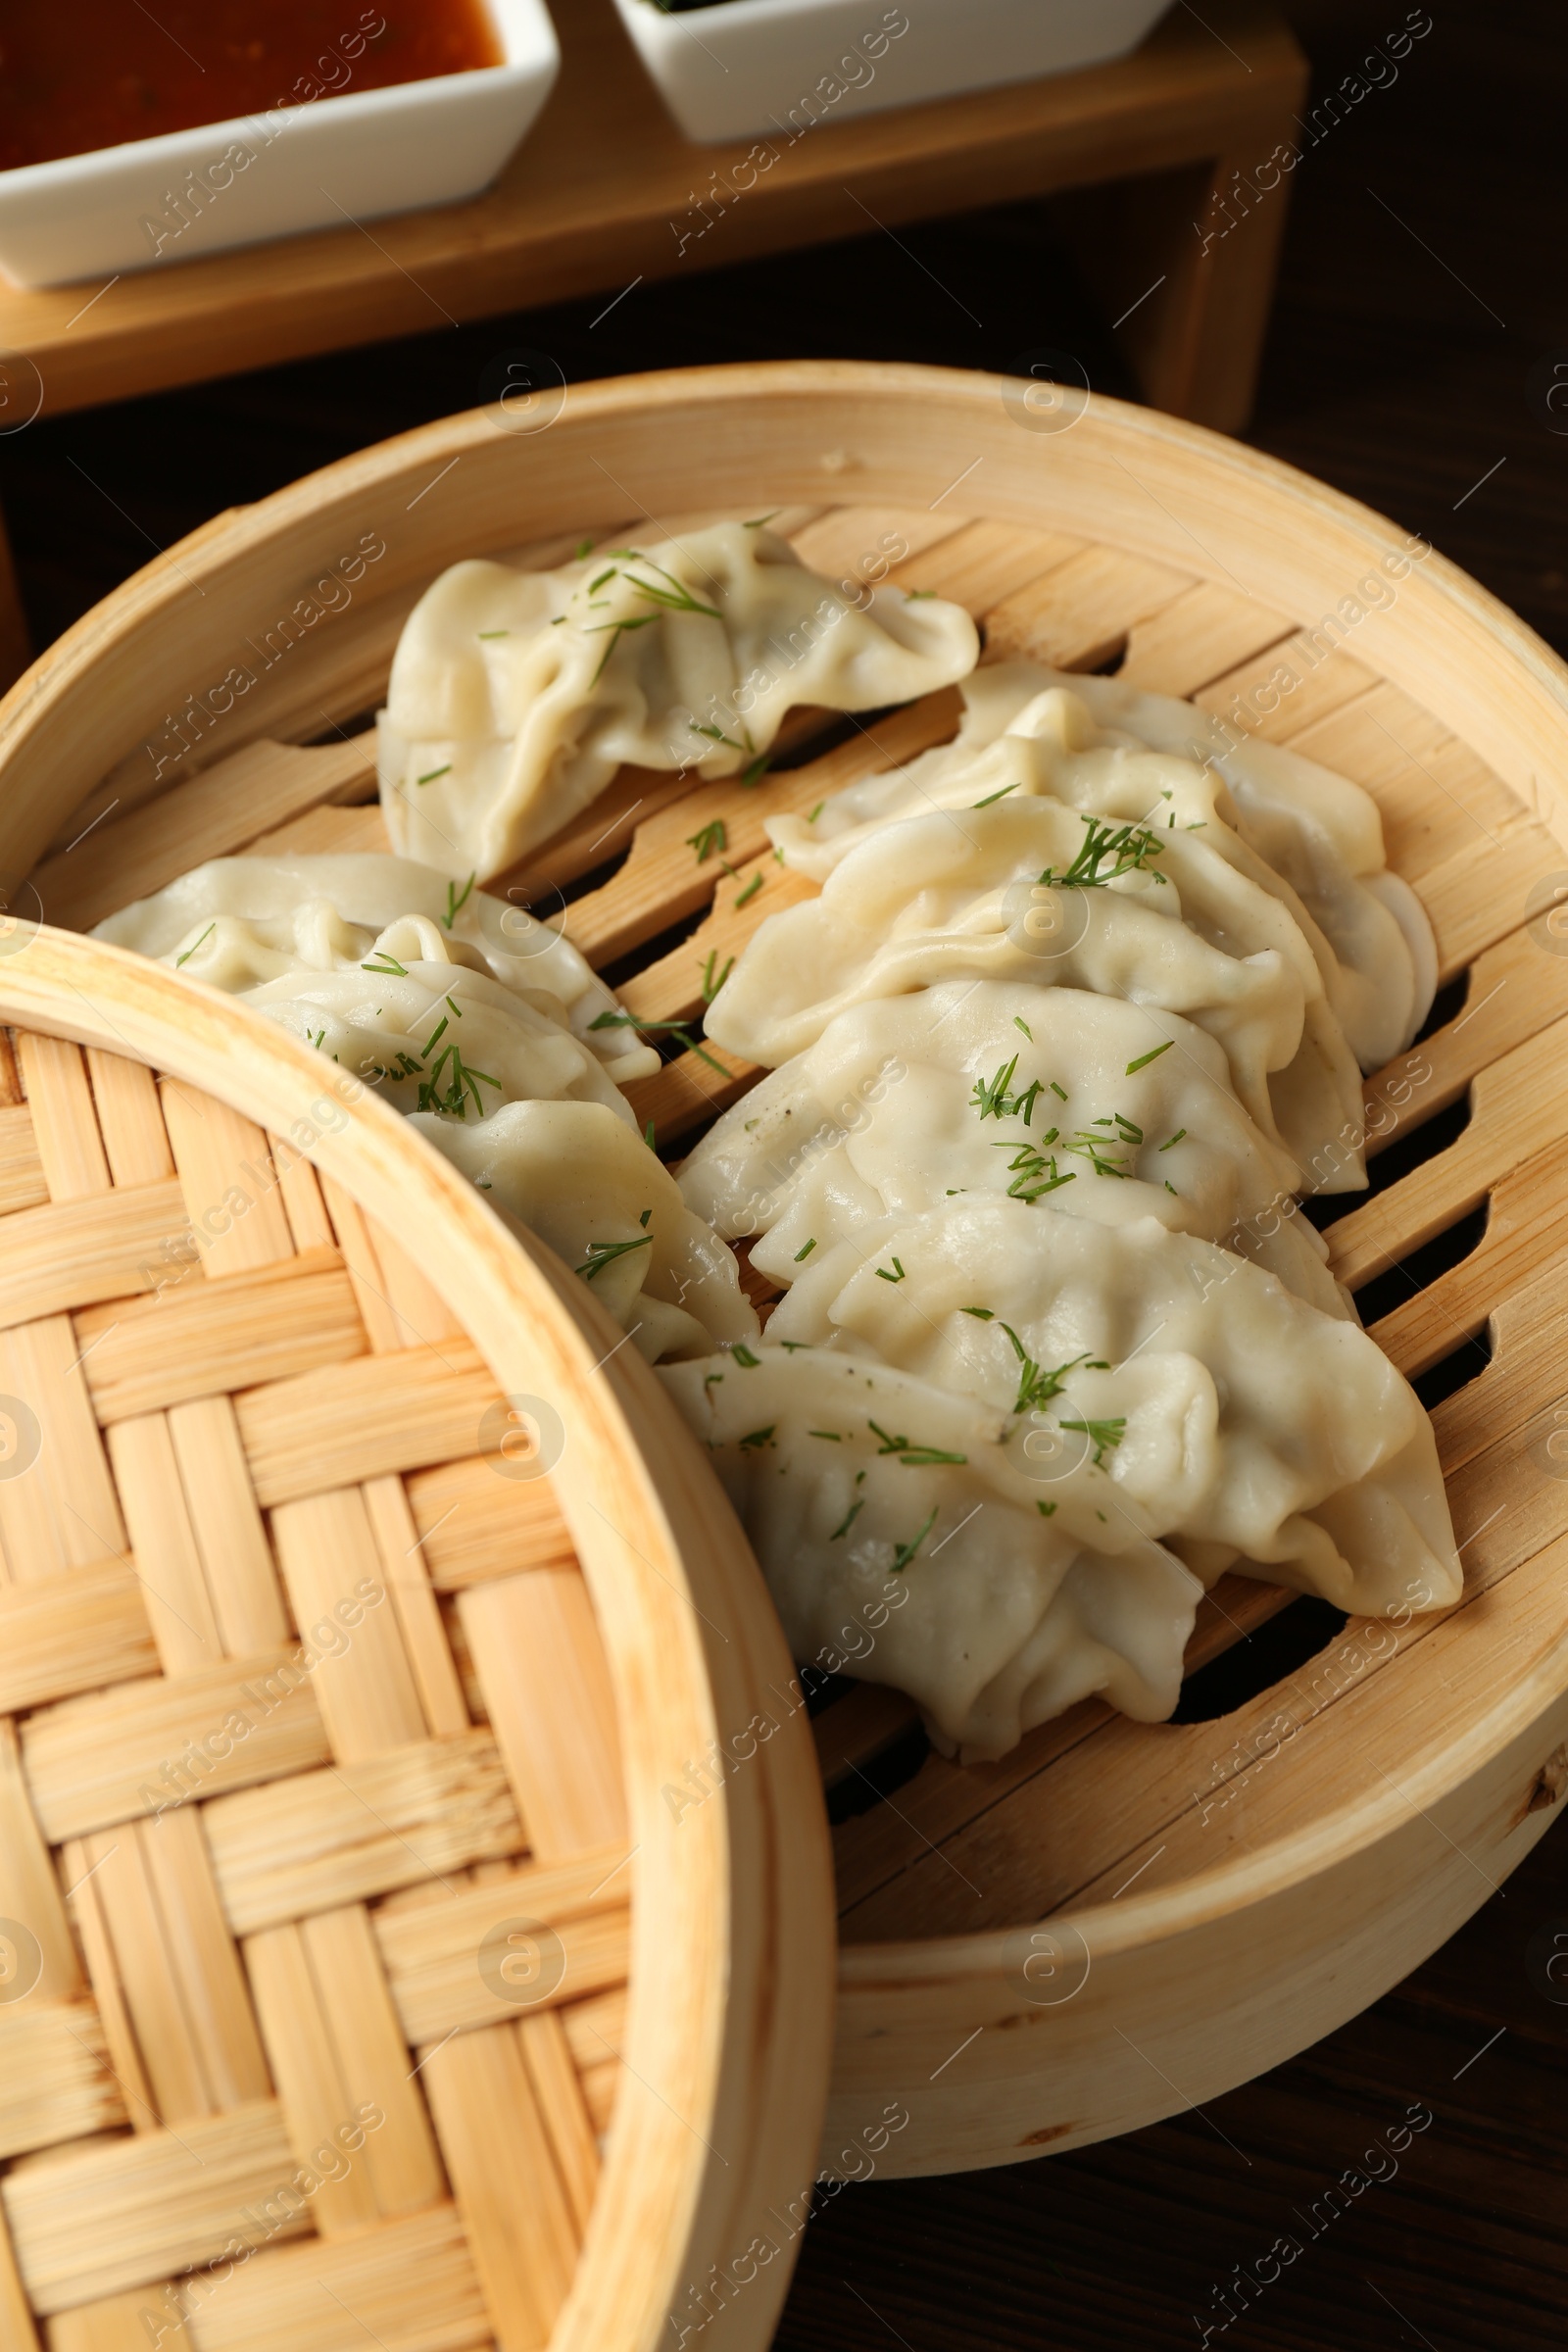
x=605 y=193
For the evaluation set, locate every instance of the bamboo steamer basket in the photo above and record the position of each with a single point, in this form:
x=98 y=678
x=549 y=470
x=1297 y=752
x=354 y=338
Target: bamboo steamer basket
x=362 y=1982
x=1119 y=1920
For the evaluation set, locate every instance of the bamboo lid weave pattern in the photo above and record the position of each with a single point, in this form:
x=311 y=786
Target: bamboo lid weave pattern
x=311 y=1763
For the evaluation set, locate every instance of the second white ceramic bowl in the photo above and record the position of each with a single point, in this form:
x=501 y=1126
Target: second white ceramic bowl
x=776 y=68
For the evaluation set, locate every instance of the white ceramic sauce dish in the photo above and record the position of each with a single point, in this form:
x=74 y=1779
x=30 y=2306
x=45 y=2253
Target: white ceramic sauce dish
x=348 y=156
x=743 y=69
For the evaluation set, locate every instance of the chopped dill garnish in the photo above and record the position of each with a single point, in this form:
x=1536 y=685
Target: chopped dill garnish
x=646 y=1217
x=197 y=943
x=585 y=547
x=835 y=1436
x=648 y=1135
x=912 y=595
x=755 y=1437
x=897 y=1275
x=485 y=633
x=905 y=1553
x=1126 y=848
x=316 y=1038
x=1102 y=1435
x=605 y=1253
x=594 y=586
x=995 y=795
x=1060 y=1092
x=711 y=986
x=388 y=968
x=743 y=897
x=1095 y=1148
x=743 y=1356
x=1019 y=1022
x=1171 y=1188
x=431 y=777
x=757 y=521
x=1046 y=1509
x=794 y=1345
x=1144 y=1059
x=710 y=1379
x=992 y=1100
x=805 y=1253
x=708 y=838
x=847 y=1521
x=678 y=1029
x=457 y=900
x=462 y=1082
x=1036 y=1385
x=981 y=1314
x=1173 y=1139
x=436 y=1035
x=1034 y=1171
x=816 y=812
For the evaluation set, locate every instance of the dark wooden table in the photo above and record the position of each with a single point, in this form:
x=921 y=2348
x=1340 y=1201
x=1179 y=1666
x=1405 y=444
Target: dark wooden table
x=1419 y=318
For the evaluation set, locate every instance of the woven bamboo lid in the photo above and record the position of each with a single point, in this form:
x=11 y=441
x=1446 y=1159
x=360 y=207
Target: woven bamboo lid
x=357 y=1977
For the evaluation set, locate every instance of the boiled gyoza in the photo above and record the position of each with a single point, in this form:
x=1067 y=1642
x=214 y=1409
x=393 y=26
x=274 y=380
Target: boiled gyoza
x=514 y=695
x=236 y=923
x=955 y=892
x=876 y=1504
x=1158 y=1378
x=1108 y=1110
x=1311 y=838
x=586 y=1183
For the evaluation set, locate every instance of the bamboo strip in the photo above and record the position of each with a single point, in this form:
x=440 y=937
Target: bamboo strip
x=601 y=2088
x=421 y=1314
x=399 y=2156
x=690 y=1090
x=560 y=2099
x=854 y=545
x=74 y=1253
x=130 y=1119
x=81 y=1860
x=118 y=2323
x=595 y=2028
x=1517 y=1110
x=404 y=1572
x=29 y=1896
x=226 y=1524
x=200 y=1958
x=65 y=1123
x=1279 y=692
x=352 y=1229
x=1203 y=633
x=180 y=1606
x=410 y=2284
x=143 y=1960
x=474 y=1524
x=55 y=2079
x=17 y=2331
x=303 y=1205
x=212 y=815
x=322 y=1839
x=333 y=1569
x=474 y=1986
x=1399 y=752
x=119 y=1754
x=229 y=1179
x=22 y=1177
x=682 y=983
x=201 y=1339
x=363 y=1420
x=429 y=1949
x=326 y=832
x=58 y=1509
x=311 y=2089
x=541 y=1666
x=987 y=561
x=73 y=1631
x=509 y=2191
x=1522 y=1241
x=158 y=2204
x=1082 y=610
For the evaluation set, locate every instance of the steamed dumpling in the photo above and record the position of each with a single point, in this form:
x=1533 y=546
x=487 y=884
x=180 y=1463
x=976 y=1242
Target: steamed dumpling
x=515 y=696
x=1176 y=1389
x=236 y=923
x=587 y=1184
x=1314 y=839
x=957 y=893
x=874 y=1501
x=1109 y=1110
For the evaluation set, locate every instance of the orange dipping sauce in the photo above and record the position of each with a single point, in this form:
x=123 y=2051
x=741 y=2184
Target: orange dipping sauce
x=77 y=74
